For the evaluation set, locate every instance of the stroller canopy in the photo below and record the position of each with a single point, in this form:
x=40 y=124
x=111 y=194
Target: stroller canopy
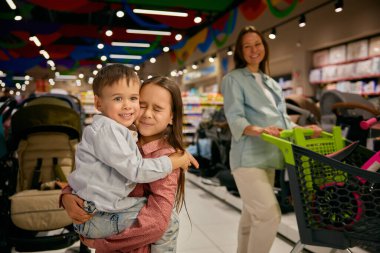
x=46 y=114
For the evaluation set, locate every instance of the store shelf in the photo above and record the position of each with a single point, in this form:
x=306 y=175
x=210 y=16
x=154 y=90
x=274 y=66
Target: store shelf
x=196 y=109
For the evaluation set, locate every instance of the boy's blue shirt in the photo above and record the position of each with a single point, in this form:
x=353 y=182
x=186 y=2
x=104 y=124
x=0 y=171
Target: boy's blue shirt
x=108 y=164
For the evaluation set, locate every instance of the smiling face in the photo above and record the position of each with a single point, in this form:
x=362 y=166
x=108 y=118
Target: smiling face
x=253 y=50
x=120 y=101
x=155 y=112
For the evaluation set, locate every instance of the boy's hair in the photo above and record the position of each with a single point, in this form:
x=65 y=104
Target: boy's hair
x=110 y=74
x=174 y=132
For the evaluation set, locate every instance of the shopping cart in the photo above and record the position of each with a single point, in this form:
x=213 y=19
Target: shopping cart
x=337 y=204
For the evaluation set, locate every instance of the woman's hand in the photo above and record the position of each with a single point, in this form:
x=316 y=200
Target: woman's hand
x=316 y=129
x=252 y=130
x=74 y=208
x=272 y=130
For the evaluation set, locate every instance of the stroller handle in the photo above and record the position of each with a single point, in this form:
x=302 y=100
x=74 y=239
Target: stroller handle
x=366 y=124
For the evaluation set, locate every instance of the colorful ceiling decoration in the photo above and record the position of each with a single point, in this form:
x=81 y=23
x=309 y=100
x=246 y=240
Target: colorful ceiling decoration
x=70 y=30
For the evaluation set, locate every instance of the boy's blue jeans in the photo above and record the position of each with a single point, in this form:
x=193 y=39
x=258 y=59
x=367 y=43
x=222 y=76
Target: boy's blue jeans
x=104 y=224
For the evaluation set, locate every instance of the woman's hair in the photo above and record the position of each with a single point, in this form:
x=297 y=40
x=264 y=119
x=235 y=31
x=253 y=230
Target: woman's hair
x=238 y=54
x=173 y=132
x=108 y=75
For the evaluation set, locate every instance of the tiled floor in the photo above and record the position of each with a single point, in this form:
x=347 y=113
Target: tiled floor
x=212 y=226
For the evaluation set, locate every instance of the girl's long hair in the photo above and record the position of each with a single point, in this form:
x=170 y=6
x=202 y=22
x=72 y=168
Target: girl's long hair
x=173 y=132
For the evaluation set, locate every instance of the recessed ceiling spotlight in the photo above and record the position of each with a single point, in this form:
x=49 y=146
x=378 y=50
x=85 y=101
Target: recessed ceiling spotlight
x=109 y=33
x=178 y=37
x=120 y=14
x=197 y=19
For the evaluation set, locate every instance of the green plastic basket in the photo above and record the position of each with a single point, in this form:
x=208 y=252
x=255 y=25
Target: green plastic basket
x=326 y=143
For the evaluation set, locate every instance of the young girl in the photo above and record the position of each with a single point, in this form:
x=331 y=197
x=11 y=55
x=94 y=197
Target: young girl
x=160 y=128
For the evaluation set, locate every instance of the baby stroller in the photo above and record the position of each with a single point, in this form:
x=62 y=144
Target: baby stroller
x=346 y=110
x=43 y=136
x=305 y=108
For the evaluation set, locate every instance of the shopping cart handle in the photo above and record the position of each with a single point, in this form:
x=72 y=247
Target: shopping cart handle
x=289 y=132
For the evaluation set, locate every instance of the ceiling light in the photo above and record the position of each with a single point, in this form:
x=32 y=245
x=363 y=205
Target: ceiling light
x=100 y=46
x=22 y=78
x=166 y=49
x=80 y=75
x=99 y=66
x=137 y=67
x=129 y=44
x=95 y=72
x=229 y=51
x=51 y=63
x=339 y=6
x=164 y=13
x=45 y=54
x=272 y=34
x=125 y=56
x=120 y=14
x=197 y=19
x=103 y=58
x=109 y=33
x=11 y=4
x=302 y=21
x=35 y=40
x=152 y=60
x=149 y=32
x=150 y=76
x=65 y=77
x=178 y=37
x=18 y=17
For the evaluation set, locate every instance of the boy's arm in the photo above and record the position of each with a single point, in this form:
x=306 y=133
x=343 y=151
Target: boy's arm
x=152 y=221
x=116 y=148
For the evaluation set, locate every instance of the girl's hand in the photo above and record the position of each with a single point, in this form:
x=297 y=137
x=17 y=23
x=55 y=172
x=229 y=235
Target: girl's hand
x=74 y=208
x=88 y=242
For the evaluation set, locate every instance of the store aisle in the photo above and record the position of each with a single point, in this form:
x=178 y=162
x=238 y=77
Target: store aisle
x=213 y=225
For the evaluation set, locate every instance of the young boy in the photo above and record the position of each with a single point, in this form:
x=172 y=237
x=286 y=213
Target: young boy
x=108 y=162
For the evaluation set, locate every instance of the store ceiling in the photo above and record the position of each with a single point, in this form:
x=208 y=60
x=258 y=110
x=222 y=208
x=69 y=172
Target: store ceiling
x=70 y=31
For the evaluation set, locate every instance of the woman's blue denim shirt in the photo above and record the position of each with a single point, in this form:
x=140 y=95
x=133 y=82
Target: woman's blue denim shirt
x=245 y=103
